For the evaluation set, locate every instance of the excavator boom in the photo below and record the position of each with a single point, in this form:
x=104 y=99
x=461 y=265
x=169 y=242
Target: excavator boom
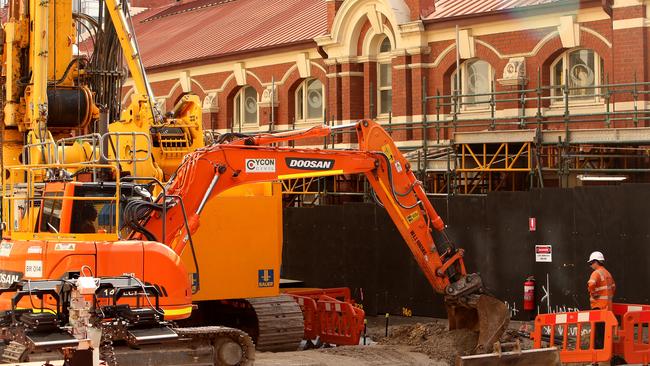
x=214 y=169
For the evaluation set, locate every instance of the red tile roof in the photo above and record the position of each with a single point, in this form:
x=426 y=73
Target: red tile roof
x=204 y=29
x=456 y=8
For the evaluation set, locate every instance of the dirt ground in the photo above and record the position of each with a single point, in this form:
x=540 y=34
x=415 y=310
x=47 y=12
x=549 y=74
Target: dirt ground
x=410 y=342
x=432 y=339
x=374 y=355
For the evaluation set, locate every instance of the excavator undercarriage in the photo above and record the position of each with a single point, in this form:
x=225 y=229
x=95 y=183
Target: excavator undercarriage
x=66 y=322
x=275 y=323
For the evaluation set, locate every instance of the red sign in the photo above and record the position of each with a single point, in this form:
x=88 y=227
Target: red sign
x=532 y=224
x=543 y=253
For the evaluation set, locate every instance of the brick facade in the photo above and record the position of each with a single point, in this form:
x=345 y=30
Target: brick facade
x=351 y=81
x=423 y=59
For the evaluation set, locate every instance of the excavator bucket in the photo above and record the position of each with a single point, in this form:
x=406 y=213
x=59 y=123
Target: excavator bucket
x=485 y=314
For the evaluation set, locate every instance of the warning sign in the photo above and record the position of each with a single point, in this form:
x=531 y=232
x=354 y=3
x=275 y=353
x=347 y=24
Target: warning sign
x=543 y=253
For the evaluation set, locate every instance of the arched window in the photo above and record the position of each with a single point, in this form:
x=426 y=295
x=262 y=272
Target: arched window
x=581 y=70
x=476 y=78
x=245 y=107
x=384 y=78
x=310 y=100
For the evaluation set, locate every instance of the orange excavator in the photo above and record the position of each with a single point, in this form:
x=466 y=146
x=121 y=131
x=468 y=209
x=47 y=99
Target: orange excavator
x=135 y=242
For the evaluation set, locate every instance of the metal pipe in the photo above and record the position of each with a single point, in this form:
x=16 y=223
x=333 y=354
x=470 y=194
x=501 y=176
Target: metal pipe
x=207 y=194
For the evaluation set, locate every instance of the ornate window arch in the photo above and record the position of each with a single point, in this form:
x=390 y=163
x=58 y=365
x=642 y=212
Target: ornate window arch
x=245 y=107
x=310 y=100
x=476 y=82
x=581 y=70
x=384 y=77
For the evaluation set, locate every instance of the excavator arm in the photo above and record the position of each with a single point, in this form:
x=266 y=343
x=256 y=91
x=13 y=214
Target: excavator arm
x=214 y=169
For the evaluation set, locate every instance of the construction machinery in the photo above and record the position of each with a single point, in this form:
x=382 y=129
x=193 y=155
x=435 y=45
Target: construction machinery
x=140 y=235
x=63 y=122
x=62 y=105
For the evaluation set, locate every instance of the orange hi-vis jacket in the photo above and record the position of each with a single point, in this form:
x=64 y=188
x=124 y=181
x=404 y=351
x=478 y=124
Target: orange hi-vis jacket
x=601 y=289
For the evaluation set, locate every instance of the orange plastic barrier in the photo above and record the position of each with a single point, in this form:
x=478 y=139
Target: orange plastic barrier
x=330 y=314
x=636 y=337
x=340 y=322
x=619 y=310
x=573 y=334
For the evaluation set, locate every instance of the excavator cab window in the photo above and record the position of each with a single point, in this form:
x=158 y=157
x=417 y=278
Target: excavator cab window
x=51 y=212
x=93 y=216
x=78 y=208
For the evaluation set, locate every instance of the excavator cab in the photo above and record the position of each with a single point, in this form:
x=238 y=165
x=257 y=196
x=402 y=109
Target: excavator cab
x=58 y=205
x=78 y=208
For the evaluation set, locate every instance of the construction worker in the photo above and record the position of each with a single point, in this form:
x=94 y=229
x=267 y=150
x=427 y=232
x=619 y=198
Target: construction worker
x=601 y=288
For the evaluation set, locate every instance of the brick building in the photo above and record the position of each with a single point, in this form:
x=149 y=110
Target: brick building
x=483 y=94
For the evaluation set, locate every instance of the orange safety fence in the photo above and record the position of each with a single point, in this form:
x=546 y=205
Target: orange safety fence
x=330 y=315
x=574 y=335
x=636 y=337
x=340 y=322
x=619 y=310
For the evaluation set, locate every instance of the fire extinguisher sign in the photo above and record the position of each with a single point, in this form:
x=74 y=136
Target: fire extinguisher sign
x=543 y=253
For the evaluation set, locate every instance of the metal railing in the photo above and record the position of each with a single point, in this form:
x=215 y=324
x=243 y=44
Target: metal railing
x=560 y=108
x=23 y=191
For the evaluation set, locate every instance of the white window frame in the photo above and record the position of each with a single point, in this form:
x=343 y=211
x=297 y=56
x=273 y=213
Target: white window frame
x=239 y=109
x=558 y=98
x=384 y=58
x=304 y=102
x=482 y=106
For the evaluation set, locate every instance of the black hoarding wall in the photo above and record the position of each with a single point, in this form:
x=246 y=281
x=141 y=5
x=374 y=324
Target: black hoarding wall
x=357 y=245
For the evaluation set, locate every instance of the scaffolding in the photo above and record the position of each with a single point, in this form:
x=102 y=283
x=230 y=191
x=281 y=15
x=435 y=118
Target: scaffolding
x=508 y=140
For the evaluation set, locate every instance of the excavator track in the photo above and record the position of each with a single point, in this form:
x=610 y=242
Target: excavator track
x=14 y=352
x=280 y=323
x=231 y=346
x=212 y=345
x=275 y=323
x=204 y=346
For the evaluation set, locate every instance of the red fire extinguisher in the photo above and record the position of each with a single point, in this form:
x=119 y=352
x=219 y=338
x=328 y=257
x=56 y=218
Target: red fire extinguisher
x=529 y=294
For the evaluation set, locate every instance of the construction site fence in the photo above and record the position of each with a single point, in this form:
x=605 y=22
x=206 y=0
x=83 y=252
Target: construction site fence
x=626 y=334
x=632 y=336
x=574 y=335
x=330 y=315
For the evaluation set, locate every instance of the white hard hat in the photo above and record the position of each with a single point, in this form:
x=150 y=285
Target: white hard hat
x=596 y=256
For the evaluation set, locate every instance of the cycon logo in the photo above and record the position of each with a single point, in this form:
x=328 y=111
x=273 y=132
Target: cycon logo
x=260 y=165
